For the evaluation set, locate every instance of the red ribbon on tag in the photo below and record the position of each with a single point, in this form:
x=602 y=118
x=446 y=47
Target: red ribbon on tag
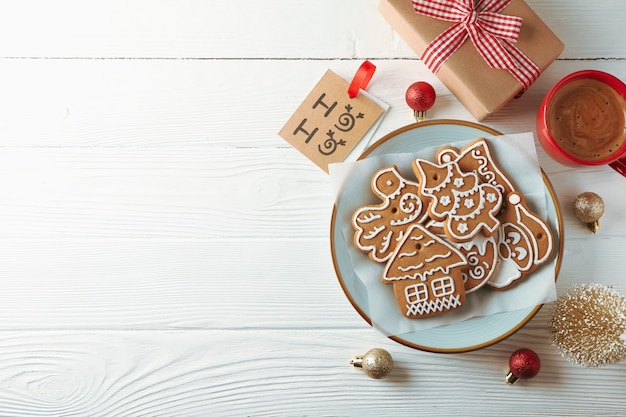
x=361 y=79
x=492 y=34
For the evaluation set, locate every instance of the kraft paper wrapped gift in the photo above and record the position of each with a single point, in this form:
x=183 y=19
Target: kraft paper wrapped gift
x=481 y=89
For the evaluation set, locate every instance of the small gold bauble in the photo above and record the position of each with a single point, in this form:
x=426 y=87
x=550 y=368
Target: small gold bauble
x=377 y=363
x=588 y=208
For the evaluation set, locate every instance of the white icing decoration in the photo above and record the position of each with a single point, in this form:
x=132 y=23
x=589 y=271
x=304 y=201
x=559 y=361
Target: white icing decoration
x=514 y=199
x=515 y=242
x=407 y=254
x=433 y=306
x=439 y=256
x=485 y=161
x=469 y=203
x=375 y=232
x=431 y=190
x=369 y=218
x=514 y=238
x=459 y=182
x=505 y=274
x=520 y=253
x=445 y=268
x=546 y=232
x=386 y=241
x=479 y=272
x=445 y=200
x=410 y=268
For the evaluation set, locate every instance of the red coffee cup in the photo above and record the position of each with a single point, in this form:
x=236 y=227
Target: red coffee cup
x=582 y=120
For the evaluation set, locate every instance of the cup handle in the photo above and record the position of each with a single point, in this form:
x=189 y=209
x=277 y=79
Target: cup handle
x=619 y=166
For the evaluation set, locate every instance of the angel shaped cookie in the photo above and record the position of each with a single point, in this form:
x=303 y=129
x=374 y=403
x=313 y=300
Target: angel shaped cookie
x=379 y=228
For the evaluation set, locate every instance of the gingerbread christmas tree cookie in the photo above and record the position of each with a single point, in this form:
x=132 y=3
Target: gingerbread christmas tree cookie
x=477 y=157
x=458 y=199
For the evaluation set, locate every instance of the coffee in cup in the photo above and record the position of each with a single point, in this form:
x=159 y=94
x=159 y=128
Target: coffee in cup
x=582 y=120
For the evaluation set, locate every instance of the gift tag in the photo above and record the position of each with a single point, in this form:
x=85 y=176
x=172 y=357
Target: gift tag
x=333 y=118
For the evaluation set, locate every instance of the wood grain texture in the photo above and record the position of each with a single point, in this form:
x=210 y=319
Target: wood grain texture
x=220 y=29
x=171 y=284
x=301 y=372
x=164 y=253
x=226 y=104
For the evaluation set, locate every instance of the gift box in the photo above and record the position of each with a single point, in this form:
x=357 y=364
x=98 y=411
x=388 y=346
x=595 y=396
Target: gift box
x=476 y=77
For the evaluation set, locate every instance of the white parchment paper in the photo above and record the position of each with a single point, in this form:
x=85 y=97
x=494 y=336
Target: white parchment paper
x=516 y=156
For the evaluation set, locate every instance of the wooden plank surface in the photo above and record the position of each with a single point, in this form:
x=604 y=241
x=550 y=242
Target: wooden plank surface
x=189 y=373
x=221 y=29
x=164 y=253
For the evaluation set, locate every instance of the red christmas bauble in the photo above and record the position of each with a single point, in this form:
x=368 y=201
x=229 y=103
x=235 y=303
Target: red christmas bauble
x=420 y=96
x=523 y=364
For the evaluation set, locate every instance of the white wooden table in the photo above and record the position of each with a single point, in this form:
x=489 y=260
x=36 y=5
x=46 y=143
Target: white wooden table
x=163 y=252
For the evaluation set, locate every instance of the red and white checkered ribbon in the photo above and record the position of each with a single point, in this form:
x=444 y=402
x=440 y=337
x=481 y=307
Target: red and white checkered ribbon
x=492 y=33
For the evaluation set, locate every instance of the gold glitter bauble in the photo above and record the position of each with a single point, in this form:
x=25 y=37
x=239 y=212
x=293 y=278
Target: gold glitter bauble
x=588 y=208
x=377 y=363
x=589 y=325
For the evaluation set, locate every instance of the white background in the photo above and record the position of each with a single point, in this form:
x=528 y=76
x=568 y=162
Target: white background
x=163 y=252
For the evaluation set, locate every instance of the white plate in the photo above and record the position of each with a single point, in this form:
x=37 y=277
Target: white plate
x=467 y=335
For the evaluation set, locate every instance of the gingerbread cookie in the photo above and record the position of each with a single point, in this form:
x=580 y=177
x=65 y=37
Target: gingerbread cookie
x=379 y=228
x=526 y=242
x=481 y=254
x=458 y=199
x=476 y=157
x=426 y=274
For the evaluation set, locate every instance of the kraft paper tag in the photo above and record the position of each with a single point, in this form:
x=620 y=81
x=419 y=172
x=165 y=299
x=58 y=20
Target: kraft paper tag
x=329 y=124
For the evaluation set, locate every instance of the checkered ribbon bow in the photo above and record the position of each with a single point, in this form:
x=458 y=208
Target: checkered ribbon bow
x=492 y=34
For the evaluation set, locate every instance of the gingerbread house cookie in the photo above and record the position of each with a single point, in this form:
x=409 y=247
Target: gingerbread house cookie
x=481 y=254
x=426 y=274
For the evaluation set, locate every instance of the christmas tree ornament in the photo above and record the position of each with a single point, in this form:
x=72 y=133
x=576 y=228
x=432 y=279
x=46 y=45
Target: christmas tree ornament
x=377 y=363
x=523 y=364
x=589 y=325
x=420 y=96
x=588 y=208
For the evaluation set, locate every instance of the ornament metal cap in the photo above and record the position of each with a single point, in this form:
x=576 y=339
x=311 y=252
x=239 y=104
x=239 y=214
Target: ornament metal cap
x=510 y=378
x=420 y=96
x=588 y=208
x=377 y=363
x=523 y=364
x=419 y=115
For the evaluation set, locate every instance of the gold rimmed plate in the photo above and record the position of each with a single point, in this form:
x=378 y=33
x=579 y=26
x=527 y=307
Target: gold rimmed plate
x=462 y=336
